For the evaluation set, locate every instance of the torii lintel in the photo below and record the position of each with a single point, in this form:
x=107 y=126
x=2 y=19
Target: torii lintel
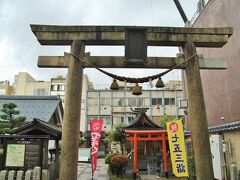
x=115 y=35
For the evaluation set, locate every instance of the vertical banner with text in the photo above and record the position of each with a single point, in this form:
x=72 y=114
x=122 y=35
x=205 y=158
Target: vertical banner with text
x=95 y=130
x=177 y=148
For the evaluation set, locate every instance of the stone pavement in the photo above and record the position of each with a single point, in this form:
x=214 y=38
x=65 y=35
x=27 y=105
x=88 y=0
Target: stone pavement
x=84 y=171
x=155 y=177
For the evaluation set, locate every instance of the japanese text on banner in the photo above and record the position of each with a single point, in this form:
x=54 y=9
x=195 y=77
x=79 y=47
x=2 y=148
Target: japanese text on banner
x=95 y=129
x=177 y=148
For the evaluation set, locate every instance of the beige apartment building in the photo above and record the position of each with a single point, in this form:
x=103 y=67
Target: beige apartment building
x=25 y=84
x=116 y=107
x=5 y=88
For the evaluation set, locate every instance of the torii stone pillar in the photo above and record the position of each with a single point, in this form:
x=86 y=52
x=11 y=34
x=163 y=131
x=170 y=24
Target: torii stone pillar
x=71 y=121
x=198 y=126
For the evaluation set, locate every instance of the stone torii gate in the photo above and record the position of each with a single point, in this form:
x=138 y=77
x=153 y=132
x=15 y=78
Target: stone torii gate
x=79 y=36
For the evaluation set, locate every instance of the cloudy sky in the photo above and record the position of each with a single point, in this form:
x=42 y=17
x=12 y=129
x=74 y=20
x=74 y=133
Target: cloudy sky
x=19 y=48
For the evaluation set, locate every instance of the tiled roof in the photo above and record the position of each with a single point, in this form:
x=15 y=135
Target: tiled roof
x=220 y=128
x=38 y=124
x=225 y=127
x=49 y=125
x=40 y=107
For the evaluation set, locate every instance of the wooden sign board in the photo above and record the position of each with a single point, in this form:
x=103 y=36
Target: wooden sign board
x=23 y=154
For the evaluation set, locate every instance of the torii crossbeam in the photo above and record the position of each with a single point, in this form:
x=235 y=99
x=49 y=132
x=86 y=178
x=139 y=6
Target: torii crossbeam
x=120 y=62
x=79 y=36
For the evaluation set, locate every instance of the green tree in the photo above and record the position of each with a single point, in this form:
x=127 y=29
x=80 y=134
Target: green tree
x=166 y=119
x=9 y=118
x=117 y=135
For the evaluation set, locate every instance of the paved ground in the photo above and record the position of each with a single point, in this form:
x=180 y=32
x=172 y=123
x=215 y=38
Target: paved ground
x=154 y=177
x=84 y=171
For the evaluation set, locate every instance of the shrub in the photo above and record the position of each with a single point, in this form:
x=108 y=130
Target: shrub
x=119 y=160
x=117 y=163
x=108 y=158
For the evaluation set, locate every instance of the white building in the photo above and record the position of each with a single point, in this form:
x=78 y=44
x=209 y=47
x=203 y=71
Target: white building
x=115 y=107
x=58 y=87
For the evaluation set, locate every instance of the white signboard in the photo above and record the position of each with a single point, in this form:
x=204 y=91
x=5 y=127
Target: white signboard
x=15 y=155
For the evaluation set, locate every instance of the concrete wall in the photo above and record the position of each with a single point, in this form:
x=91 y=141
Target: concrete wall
x=221 y=87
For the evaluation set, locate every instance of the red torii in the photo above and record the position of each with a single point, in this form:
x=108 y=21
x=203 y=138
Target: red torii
x=152 y=135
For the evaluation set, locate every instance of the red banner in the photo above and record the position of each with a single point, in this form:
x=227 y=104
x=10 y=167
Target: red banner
x=96 y=129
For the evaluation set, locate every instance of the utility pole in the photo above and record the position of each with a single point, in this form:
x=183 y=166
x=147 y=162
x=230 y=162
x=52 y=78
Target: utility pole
x=198 y=124
x=181 y=11
x=71 y=121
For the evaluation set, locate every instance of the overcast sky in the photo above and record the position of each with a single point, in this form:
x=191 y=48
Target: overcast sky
x=19 y=48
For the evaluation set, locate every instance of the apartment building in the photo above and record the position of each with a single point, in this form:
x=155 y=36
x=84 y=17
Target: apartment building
x=25 y=84
x=116 y=107
x=58 y=87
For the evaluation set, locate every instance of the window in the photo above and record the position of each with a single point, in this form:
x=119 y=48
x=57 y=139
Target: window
x=132 y=102
x=118 y=102
x=140 y=102
x=169 y=101
x=118 y=119
x=40 y=92
x=156 y=101
x=61 y=87
x=130 y=119
x=105 y=101
x=146 y=102
x=54 y=87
